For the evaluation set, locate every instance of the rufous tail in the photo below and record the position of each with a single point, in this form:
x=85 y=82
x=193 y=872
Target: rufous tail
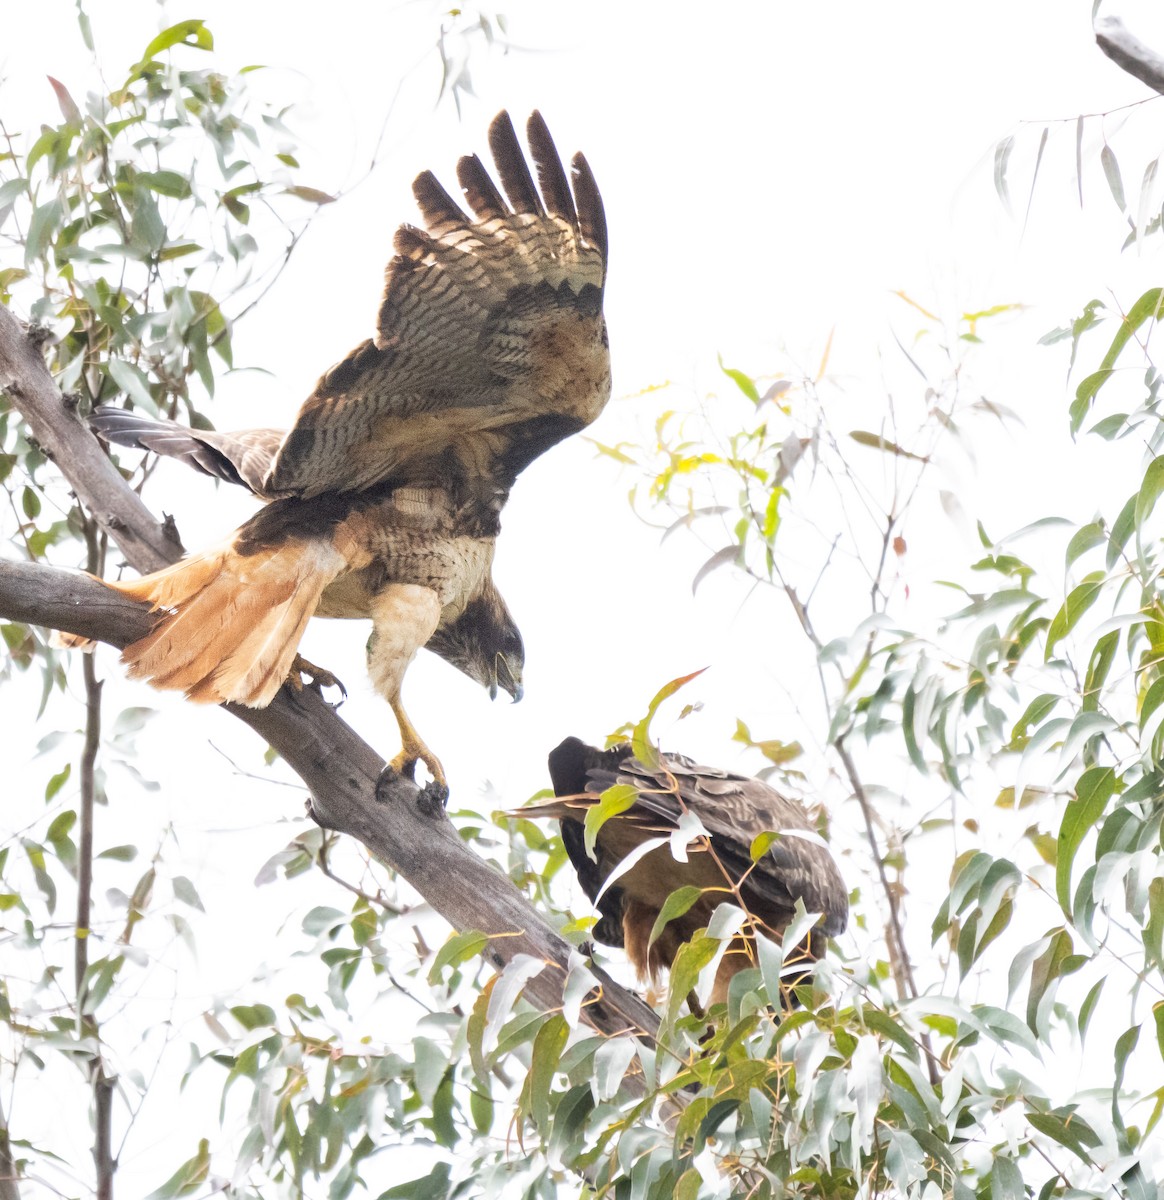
x=232 y=622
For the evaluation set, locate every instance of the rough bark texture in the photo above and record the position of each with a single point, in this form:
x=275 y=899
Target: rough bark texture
x=1129 y=53
x=398 y=825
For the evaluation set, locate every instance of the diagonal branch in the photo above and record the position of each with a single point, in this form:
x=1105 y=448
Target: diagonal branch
x=1129 y=53
x=339 y=769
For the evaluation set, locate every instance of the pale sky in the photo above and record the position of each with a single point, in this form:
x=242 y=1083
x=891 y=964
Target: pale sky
x=771 y=174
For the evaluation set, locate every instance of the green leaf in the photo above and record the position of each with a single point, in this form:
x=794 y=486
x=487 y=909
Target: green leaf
x=459 y=948
x=186 y=892
x=119 y=853
x=57 y=782
x=132 y=381
x=693 y=956
x=676 y=904
x=1147 y=307
x=1150 y=489
x=430 y=1063
x=1121 y=530
x=1111 y=170
x=876 y=442
x=1095 y=787
x=433 y=1186
x=188 y=1178
x=1006 y=1180
x=1072 y=1131
x=1102 y=656
x=1078 y=601
x=1124 y=1046
x=253 y=1016
x=644 y=751
x=186 y=33
x=1085 y=538
x=310 y=194
x=616 y=799
x=1088 y=1007
x=881 y=1022
x=147 y=230
x=547 y=1053
x=1044 y=972
x=1153 y=934
x=166 y=183
x=742 y=381
x=42 y=227
x=1038 y=708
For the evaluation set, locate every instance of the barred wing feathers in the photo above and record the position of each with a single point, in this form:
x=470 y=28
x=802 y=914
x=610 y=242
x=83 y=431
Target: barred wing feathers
x=243 y=458
x=490 y=345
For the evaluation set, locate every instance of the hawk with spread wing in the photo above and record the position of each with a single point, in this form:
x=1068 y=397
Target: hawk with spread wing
x=734 y=810
x=384 y=495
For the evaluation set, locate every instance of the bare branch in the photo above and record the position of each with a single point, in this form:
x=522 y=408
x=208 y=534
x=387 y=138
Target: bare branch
x=1129 y=53
x=396 y=824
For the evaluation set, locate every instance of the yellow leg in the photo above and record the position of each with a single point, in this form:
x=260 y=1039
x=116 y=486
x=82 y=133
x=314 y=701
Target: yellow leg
x=413 y=749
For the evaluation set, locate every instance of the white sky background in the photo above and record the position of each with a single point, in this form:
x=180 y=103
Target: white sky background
x=770 y=174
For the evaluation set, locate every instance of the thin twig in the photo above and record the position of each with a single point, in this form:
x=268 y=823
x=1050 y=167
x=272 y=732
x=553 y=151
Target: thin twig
x=102 y=1083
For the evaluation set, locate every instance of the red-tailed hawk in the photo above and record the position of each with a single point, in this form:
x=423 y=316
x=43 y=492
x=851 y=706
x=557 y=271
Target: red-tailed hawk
x=734 y=810
x=385 y=493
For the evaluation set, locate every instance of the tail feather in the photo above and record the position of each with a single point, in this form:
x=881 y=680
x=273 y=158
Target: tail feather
x=232 y=622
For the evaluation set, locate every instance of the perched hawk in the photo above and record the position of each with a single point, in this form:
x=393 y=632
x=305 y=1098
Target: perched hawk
x=385 y=493
x=734 y=810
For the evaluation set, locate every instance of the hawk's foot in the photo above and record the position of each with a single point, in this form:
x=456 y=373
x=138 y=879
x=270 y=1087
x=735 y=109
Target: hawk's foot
x=432 y=796
x=304 y=674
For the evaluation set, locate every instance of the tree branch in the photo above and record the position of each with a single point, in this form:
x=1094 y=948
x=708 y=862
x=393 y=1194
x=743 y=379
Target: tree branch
x=1129 y=53
x=339 y=769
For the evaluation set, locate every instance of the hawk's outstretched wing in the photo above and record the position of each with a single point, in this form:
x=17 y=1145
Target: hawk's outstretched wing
x=490 y=345
x=735 y=810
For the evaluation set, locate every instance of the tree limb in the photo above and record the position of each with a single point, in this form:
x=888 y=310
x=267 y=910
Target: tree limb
x=1129 y=53
x=339 y=769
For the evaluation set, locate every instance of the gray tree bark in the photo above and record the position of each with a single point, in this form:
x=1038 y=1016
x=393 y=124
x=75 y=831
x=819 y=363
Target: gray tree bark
x=1129 y=53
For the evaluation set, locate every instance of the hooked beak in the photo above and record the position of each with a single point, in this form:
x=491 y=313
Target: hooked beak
x=508 y=675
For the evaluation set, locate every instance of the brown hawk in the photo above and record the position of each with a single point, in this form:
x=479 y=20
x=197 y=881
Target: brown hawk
x=734 y=811
x=385 y=493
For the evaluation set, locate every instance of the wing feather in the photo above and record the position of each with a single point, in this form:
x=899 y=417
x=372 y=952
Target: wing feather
x=591 y=213
x=242 y=457
x=490 y=345
x=480 y=190
x=551 y=178
x=512 y=167
x=441 y=212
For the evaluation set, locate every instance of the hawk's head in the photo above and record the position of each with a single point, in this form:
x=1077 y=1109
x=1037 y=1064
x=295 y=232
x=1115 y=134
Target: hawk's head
x=485 y=643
